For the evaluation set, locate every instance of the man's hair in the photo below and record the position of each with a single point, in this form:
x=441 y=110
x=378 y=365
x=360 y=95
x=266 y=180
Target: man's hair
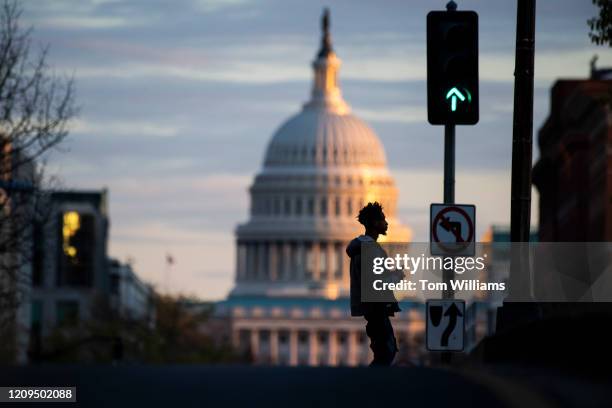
x=370 y=213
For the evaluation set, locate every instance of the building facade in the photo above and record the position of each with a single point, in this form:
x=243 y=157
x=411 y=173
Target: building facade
x=73 y=279
x=132 y=298
x=574 y=172
x=70 y=260
x=290 y=302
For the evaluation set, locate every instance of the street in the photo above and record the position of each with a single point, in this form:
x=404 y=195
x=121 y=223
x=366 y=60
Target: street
x=211 y=386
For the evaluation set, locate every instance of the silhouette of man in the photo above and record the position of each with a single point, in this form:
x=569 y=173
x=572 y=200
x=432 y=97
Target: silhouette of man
x=378 y=327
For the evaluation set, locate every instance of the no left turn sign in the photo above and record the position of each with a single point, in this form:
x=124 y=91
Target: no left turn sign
x=453 y=229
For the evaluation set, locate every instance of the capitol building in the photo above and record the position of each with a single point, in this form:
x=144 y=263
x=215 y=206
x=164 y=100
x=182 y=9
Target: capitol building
x=289 y=304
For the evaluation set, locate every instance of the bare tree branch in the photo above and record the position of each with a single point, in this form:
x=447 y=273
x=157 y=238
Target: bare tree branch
x=35 y=108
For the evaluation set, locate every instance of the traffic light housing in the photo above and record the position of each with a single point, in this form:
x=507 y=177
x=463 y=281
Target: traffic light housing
x=452 y=67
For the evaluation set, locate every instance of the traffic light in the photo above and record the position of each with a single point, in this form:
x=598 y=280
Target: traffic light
x=452 y=67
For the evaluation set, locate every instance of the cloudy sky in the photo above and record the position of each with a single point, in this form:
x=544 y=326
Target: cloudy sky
x=179 y=99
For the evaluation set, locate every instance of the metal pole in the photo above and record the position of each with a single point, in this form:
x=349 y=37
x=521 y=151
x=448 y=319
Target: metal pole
x=449 y=191
x=449 y=198
x=449 y=195
x=522 y=140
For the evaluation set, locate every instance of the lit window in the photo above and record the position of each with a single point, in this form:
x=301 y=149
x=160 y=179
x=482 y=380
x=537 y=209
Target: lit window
x=72 y=223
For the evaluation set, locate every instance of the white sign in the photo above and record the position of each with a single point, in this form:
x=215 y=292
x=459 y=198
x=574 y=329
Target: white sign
x=453 y=229
x=445 y=324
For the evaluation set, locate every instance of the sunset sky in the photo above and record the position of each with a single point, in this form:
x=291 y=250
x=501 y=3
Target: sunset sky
x=180 y=98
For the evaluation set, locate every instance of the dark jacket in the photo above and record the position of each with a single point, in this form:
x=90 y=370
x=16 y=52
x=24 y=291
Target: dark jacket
x=359 y=308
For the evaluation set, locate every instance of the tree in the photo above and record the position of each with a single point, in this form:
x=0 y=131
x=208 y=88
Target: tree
x=601 y=26
x=182 y=334
x=183 y=331
x=35 y=109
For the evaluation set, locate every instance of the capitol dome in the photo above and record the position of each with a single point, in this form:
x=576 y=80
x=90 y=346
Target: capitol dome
x=318 y=137
x=321 y=166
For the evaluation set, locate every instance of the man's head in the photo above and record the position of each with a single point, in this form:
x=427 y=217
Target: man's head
x=373 y=219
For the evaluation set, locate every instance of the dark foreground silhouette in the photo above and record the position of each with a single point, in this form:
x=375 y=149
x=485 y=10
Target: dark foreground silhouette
x=225 y=386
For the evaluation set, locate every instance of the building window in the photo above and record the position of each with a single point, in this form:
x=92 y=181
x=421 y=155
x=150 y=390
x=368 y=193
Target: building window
x=294 y=262
x=77 y=249
x=324 y=206
x=309 y=262
x=265 y=260
x=242 y=260
x=277 y=204
x=255 y=258
x=267 y=207
x=249 y=265
x=338 y=206
x=67 y=312
x=280 y=261
x=349 y=204
x=287 y=206
x=338 y=264
x=323 y=272
x=300 y=262
x=310 y=206
x=298 y=206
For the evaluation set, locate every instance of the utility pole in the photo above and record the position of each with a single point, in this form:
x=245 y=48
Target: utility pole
x=522 y=142
x=449 y=198
x=522 y=132
x=449 y=195
x=512 y=313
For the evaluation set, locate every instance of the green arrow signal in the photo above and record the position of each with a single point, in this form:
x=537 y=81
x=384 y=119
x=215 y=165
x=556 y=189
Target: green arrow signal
x=453 y=94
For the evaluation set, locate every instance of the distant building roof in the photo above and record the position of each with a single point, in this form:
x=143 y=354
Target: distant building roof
x=97 y=198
